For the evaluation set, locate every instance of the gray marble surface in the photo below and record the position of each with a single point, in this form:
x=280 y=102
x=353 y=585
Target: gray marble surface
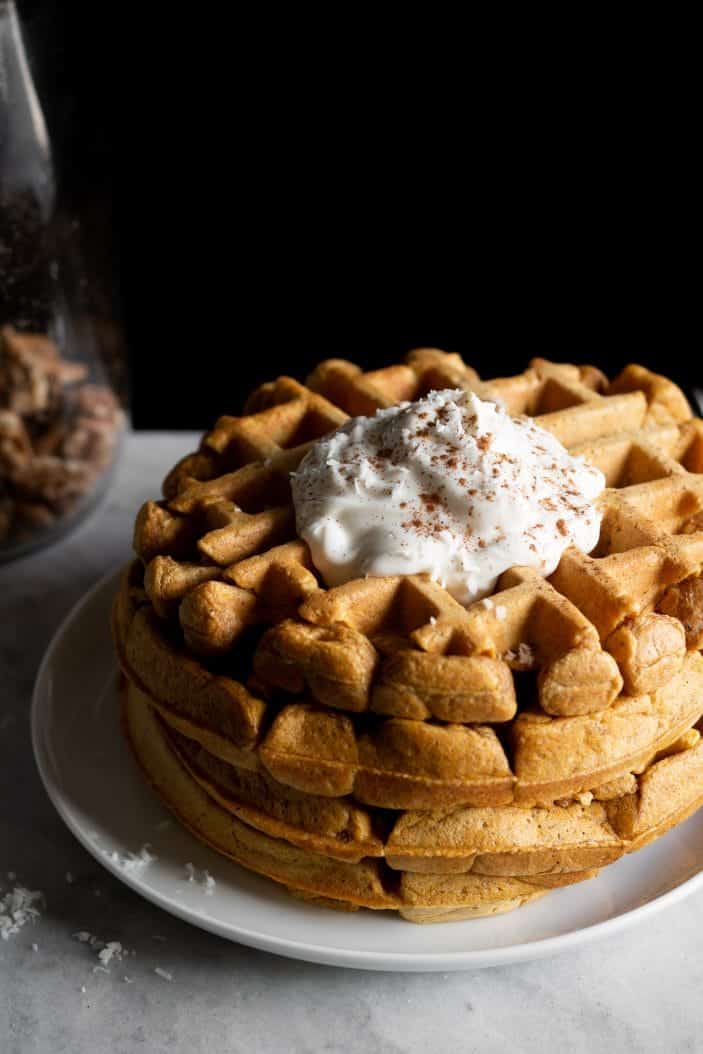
x=636 y=992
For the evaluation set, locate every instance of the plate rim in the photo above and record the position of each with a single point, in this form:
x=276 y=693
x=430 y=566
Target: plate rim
x=295 y=949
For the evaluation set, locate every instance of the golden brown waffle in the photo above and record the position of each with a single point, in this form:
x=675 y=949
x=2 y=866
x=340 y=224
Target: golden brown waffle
x=438 y=866
x=401 y=763
x=418 y=897
x=337 y=706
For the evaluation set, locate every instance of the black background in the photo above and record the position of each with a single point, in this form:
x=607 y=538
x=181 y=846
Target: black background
x=255 y=198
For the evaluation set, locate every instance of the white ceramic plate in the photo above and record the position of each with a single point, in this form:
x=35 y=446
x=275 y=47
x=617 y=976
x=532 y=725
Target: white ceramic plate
x=94 y=783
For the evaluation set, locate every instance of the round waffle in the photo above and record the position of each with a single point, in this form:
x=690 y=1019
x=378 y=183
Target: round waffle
x=379 y=745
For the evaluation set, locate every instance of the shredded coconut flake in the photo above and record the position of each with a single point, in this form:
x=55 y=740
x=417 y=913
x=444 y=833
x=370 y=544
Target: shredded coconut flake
x=525 y=655
x=201 y=878
x=106 y=950
x=163 y=973
x=112 y=950
x=17 y=908
x=131 y=862
x=69 y=878
x=501 y=612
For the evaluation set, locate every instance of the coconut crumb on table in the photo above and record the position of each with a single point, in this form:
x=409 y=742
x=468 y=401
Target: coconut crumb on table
x=106 y=950
x=17 y=908
x=163 y=973
x=112 y=950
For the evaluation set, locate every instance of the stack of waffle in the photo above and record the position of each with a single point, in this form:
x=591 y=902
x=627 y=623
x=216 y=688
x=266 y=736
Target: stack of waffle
x=377 y=744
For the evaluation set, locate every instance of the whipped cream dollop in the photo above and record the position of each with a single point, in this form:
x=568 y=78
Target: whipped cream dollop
x=450 y=485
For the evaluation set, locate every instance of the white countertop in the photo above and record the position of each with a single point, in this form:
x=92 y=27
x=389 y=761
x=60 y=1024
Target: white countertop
x=635 y=992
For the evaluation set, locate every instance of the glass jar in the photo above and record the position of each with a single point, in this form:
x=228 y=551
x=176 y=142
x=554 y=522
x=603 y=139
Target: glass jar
x=61 y=421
